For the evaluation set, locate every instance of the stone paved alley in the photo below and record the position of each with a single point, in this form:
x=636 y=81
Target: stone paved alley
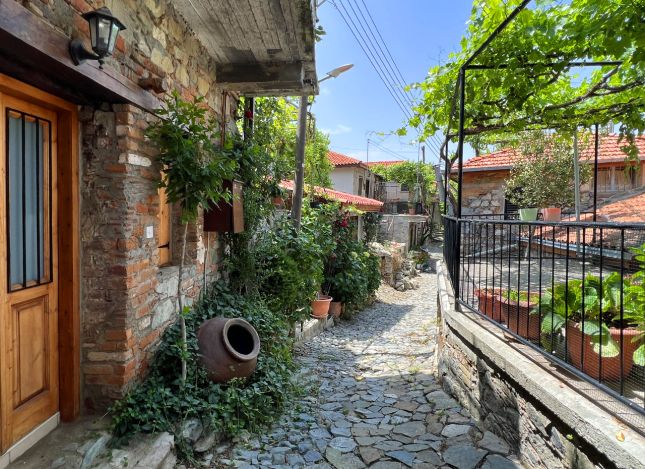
x=379 y=404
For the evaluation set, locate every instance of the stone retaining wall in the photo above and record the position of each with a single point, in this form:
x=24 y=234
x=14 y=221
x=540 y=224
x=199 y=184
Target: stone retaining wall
x=546 y=423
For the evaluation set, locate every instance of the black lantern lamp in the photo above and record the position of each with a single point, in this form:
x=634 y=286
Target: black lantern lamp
x=104 y=29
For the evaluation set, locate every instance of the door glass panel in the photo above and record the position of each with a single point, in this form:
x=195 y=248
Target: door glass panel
x=29 y=227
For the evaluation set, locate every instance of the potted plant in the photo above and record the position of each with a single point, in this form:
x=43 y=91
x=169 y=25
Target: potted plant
x=489 y=303
x=590 y=313
x=543 y=176
x=320 y=306
x=519 y=314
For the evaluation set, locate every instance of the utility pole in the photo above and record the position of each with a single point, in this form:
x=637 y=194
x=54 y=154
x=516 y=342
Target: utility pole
x=298 y=192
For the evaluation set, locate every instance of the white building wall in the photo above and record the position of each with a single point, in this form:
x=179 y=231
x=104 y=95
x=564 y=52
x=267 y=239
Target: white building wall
x=342 y=179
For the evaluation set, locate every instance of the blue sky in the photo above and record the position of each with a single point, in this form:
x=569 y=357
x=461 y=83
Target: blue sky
x=418 y=33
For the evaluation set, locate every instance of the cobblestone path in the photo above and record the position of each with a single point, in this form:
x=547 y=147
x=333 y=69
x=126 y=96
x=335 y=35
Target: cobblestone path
x=378 y=402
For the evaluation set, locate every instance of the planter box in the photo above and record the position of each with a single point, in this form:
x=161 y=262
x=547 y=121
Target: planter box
x=516 y=315
x=227 y=217
x=580 y=350
x=489 y=303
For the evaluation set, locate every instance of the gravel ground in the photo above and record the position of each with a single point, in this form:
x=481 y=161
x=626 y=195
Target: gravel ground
x=377 y=402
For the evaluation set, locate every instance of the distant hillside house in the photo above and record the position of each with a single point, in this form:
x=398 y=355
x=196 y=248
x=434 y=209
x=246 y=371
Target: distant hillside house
x=353 y=176
x=485 y=176
x=395 y=195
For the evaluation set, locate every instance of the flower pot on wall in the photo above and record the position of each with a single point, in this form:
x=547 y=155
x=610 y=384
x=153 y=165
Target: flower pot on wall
x=320 y=306
x=335 y=308
x=228 y=348
x=528 y=214
x=552 y=214
x=489 y=303
x=517 y=316
x=580 y=348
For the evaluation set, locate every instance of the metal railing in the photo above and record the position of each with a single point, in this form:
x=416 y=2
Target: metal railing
x=575 y=291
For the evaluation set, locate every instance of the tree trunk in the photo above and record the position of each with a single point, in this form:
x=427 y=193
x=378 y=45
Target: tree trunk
x=180 y=300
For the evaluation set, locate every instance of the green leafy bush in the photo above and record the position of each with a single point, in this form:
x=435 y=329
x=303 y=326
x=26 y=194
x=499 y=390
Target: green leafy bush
x=352 y=272
x=290 y=269
x=600 y=303
x=162 y=402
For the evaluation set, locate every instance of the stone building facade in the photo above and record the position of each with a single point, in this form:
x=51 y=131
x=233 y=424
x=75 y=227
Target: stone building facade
x=115 y=298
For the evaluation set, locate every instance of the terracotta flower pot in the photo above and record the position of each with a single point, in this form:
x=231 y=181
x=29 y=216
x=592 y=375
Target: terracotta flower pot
x=516 y=315
x=552 y=214
x=320 y=306
x=489 y=303
x=580 y=349
x=278 y=201
x=228 y=348
x=335 y=308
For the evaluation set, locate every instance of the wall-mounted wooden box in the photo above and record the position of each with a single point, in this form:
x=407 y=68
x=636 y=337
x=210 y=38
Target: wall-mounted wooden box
x=227 y=217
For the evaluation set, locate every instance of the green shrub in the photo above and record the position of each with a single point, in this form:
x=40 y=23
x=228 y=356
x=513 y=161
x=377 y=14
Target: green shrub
x=162 y=402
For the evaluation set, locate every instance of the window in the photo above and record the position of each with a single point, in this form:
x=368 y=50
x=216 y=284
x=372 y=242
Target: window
x=404 y=188
x=360 y=186
x=617 y=179
x=165 y=228
x=29 y=200
x=367 y=189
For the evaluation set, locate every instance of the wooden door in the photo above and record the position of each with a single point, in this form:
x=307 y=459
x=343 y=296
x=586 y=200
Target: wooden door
x=28 y=268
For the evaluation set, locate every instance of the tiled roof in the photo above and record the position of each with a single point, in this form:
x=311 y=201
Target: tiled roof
x=609 y=151
x=338 y=159
x=623 y=208
x=362 y=203
x=384 y=163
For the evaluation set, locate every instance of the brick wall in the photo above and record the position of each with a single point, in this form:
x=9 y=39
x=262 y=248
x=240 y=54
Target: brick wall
x=127 y=300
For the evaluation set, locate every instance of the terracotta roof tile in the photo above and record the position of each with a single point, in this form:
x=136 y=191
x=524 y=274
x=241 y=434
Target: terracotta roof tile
x=362 y=203
x=338 y=159
x=609 y=151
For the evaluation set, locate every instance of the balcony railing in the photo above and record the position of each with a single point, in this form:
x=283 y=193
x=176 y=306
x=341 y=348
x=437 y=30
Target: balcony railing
x=573 y=291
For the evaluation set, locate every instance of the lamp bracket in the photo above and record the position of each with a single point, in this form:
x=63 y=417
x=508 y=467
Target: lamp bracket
x=79 y=54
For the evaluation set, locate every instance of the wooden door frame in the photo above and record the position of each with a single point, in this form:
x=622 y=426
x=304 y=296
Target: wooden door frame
x=69 y=339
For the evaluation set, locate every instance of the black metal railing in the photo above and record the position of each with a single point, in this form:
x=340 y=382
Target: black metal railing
x=573 y=290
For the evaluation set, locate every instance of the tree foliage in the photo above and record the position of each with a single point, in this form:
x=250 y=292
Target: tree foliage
x=544 y=174
x=418 y=177
x=535 y=88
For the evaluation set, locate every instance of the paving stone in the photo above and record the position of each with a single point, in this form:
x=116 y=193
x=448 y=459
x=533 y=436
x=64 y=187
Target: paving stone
x=343 y=460
x=463 y=456
x=405 y=457
x=342 y=444
x=410 y=429
x=387 y=465
x=369 y=454
x=453 y=430
x=312 y=456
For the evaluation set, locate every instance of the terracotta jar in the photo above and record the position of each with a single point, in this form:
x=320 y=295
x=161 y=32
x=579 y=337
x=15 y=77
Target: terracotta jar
x=335 y=308
x=517 y=316
x=580 y=353
x=228 y=347
x=489 y=303
x=320 y=306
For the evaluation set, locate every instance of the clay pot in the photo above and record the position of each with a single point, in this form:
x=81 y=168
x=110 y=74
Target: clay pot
x=228 y=348
x=610 y=365
x=552 y=214
x=489 y=303
x=517 y=317
x=320 y=306
x=335 y=308
x=278 y=201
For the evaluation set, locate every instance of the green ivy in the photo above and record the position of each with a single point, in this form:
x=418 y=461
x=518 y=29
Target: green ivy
x=162 y=402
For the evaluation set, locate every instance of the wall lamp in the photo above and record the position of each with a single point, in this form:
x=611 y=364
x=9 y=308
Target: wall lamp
x=104 y=29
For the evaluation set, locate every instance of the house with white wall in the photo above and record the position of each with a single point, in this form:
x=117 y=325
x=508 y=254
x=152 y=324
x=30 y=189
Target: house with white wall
x=353 y=176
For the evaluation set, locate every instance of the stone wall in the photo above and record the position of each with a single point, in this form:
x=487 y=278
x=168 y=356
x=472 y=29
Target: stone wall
x=396 y=228
x=127 y=299
x=483 y=192
x=545 y=422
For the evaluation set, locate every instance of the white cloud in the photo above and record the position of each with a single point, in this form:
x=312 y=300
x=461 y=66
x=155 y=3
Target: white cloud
x=338 y=130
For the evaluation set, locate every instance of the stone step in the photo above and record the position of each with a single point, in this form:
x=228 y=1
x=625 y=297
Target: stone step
x=145 y=451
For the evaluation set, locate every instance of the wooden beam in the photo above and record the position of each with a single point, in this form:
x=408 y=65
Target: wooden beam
x=265 y=79
x=36 y=53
